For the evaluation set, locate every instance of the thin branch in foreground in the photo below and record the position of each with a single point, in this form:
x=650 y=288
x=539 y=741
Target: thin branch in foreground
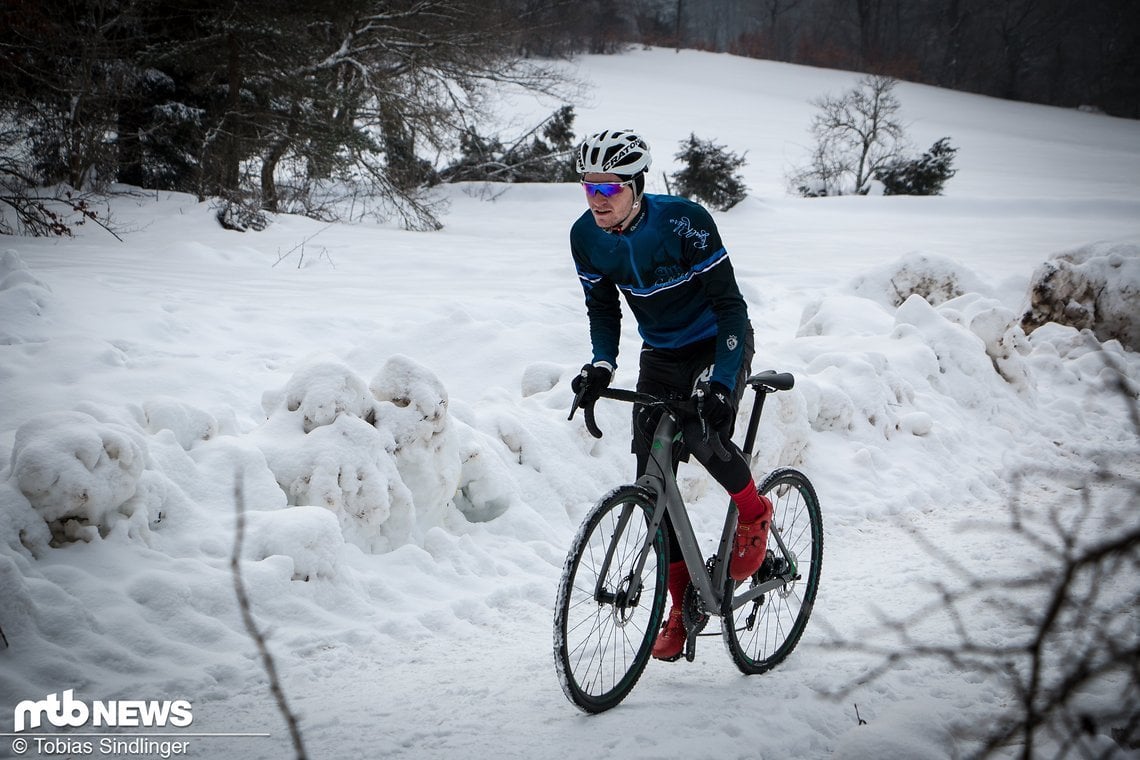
x=1066 y=659
x=251 y=626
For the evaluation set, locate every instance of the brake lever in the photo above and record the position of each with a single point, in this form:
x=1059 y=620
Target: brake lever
x=711 y=437
x=587 y=413
x=715 y=442
x=574 y=406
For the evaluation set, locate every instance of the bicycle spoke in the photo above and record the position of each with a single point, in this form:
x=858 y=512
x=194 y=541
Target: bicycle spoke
x=603 y=640
x=772 y=630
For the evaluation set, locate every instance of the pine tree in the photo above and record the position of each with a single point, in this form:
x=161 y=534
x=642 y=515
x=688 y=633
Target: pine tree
x=924 y=175
x=710 y=174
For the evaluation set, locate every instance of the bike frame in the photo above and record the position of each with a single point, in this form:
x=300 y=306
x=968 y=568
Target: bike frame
x=660 y=483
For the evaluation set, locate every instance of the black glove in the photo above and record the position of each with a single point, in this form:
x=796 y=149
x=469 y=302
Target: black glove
x=590 y=383
x=716 y=407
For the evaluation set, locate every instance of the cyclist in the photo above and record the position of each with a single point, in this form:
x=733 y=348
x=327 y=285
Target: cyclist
x=664 y=254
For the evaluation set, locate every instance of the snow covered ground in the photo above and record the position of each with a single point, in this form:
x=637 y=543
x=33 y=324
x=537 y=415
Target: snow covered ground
x=394 y=406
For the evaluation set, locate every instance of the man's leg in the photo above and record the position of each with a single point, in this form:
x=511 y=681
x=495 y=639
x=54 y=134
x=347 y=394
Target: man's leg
x=735 y=476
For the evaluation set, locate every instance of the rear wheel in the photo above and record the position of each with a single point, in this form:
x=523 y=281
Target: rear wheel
x=606 y=618
x=761 y=632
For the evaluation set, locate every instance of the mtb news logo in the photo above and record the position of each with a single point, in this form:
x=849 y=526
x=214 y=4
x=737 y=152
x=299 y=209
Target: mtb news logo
x=67 y=712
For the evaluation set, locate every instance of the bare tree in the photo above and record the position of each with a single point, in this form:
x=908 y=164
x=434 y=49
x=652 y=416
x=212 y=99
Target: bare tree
x=856 y=134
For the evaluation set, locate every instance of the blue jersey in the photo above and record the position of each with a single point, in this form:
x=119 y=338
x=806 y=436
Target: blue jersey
x=675 y=274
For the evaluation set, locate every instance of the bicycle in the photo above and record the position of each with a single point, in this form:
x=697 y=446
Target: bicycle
x=612 y=594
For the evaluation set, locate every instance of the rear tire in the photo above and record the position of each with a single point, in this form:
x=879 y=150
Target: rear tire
x=760 y=634
x=602 y=646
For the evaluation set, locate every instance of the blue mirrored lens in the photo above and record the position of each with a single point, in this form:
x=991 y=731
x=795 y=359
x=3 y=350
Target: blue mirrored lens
x=606 y=189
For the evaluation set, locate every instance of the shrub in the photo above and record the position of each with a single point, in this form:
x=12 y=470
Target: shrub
x=710 y=174
x=924 y=175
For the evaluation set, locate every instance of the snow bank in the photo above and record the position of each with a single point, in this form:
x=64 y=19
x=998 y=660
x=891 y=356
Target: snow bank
x=389 y=462
x=383 y=460
x=936 y=278
x=1096 y=287
x=310 y=537
x=24 y=299
x=868 y=365
x=382 y=455
x=882 y=386
x=80 y=474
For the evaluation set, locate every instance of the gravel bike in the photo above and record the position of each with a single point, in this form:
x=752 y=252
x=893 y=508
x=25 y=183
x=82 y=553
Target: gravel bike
x=613 y=593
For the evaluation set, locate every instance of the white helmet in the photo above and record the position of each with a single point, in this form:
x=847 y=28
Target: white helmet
x=614 y=151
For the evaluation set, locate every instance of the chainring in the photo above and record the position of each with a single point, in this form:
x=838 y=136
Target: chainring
x=692 y=608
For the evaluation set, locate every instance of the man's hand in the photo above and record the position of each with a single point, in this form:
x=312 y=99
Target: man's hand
x=716 y=407
x=590 y=382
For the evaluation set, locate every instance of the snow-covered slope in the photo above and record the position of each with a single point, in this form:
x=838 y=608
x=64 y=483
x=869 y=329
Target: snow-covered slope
x=388 y=411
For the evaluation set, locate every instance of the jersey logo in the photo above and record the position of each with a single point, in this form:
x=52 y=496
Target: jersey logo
x=667 y=273
x=683 y=228
x=731 y=343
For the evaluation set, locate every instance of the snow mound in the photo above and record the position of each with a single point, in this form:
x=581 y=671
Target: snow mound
x=309 y=537
x=383 y=456
x=936 y=278
x=80 y=474
x=540 y=377
x=346 y=466
x=323 y=391
x=413 y=404
x=1096 y=287
x=968 y=349
x=188 y=424
x=24 y=299
x=20 y=525
x=1000 y=332
x=907 y=379
x=486 y=489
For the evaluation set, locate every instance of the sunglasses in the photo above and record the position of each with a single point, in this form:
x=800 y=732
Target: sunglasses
x=605 y=189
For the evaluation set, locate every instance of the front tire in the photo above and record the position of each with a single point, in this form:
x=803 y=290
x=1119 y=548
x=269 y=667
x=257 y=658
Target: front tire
x=602 y=642
x=761 y=633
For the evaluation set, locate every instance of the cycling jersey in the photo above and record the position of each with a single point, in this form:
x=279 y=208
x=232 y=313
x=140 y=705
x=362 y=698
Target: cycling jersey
x=674 y=272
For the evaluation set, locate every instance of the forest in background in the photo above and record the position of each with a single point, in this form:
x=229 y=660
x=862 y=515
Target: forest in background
x=298 y=106
x=1057 y=52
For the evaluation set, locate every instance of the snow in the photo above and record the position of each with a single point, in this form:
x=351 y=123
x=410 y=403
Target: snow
x=387 y=410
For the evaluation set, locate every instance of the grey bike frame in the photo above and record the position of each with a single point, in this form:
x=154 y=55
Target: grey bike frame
x=660 y=481
x=659 y=478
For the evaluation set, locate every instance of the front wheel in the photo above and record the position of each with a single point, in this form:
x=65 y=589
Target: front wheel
x=607 y=614
x=762 y=631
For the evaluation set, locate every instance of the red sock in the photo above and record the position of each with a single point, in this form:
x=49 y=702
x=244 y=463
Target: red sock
x=752 y=506
x=678 y=580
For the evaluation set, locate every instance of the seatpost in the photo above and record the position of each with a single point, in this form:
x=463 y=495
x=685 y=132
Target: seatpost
x=754 y=420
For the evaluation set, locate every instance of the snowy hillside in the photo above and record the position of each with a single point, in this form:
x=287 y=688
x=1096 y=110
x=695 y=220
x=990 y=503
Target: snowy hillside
x=393 y=407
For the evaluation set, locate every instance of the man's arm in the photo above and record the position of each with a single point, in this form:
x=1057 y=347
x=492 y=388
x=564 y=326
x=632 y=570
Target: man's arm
x=718 y=283
x=603 y=310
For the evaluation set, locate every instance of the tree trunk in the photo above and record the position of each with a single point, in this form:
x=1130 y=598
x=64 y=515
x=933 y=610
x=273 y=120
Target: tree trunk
x=269 y=161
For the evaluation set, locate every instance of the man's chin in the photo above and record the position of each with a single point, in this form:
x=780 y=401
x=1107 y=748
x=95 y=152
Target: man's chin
x=603 y=220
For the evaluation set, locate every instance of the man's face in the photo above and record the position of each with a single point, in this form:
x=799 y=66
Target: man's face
x=608 y=210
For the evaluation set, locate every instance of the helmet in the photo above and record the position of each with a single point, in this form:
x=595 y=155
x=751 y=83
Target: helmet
x=614 y=151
